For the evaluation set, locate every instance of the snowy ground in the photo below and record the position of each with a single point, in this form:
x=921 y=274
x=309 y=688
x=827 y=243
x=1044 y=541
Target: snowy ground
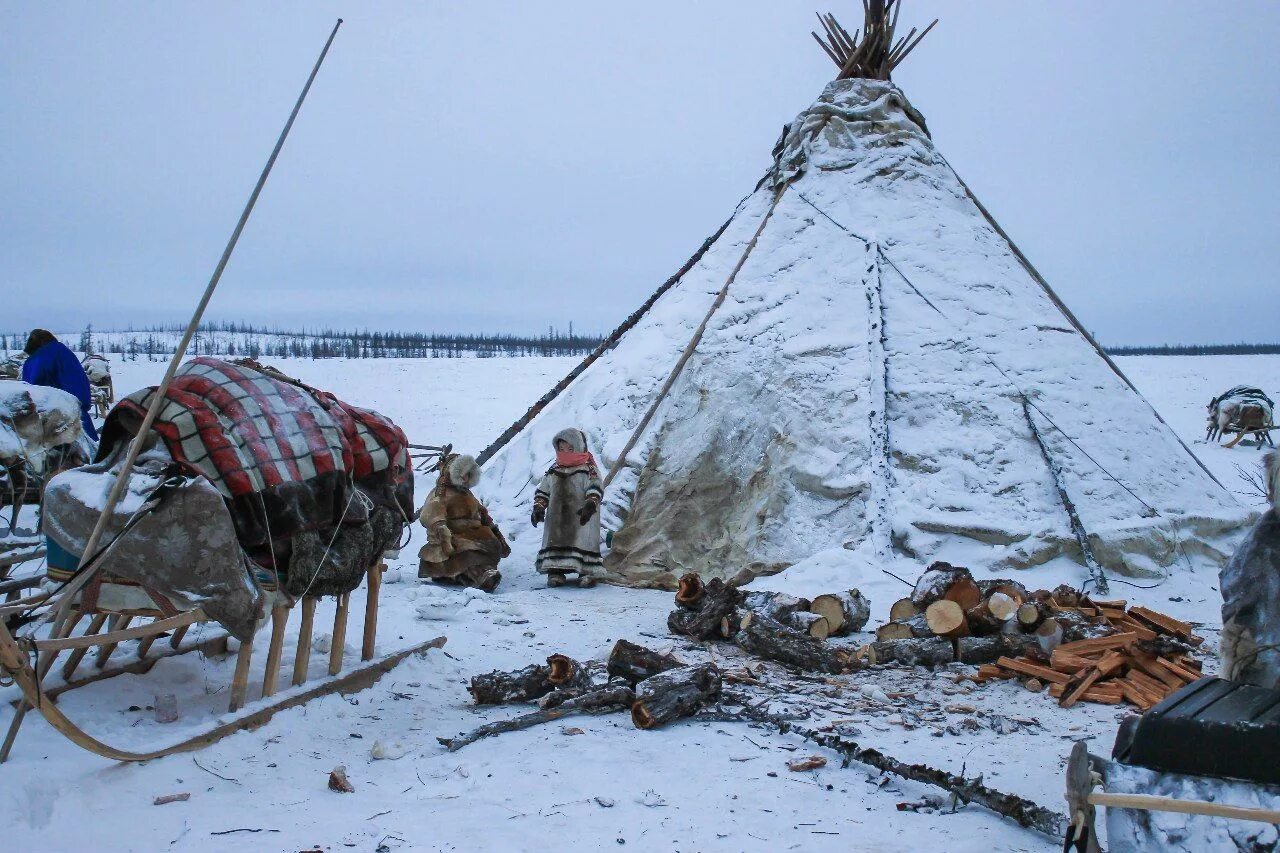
x=695 y=786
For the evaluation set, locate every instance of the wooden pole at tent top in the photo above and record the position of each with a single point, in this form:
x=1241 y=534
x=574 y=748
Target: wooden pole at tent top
x=157 y=399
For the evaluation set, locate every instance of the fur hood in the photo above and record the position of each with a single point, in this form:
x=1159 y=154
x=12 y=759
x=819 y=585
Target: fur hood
x=463 y=471
x=576 y=439
x=1272 y=463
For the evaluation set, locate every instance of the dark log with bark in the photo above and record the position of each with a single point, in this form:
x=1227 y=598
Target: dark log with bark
x=979 y=650
x=716 y=617
x=931 y=652
x=613 y=697
x=1011 y=588
x=768 y=638
x=690 y=591
x=936 y=580
x=532 y=682
x=845 y=612
x=634 y=663
x=1022 y=811
x=674 y=694
x=775 y=605
x=521 y=685
x=810 y=623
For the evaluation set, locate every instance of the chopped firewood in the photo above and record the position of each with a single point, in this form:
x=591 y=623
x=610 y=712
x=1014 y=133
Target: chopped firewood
x=902 y=610
x=1161 y=622
x=936 y=580
x=338 y=781
x=1083 y=682
x=1135 y=695
x=1098 y=695
x=1112 y=613
x=1146 y=682
x=715 y=617
x=1066 y=662
x=1023 y=667
x=1112 y=604
x=946 y=618
x=894 y=631
x=1115 y=641
x=768 y=638
x=634 y=663
x=1150 y=665
x=1179 y=670
x=1035 y=685
x=690 y=591
x=812 y=624
x=930 y=652
x=802 y=765
x=845 y=612
x=1133 y=626
x=1030 y=615
x=165 y=799
x=988 y=671
x=674 y=694
x=1049 y=636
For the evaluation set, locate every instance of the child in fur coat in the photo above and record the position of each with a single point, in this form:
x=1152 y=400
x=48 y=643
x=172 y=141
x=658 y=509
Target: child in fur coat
x=568 y=499
x=464 y=545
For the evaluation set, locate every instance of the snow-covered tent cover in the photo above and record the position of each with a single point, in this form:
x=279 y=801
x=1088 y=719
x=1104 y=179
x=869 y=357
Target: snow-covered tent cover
x=886 y=371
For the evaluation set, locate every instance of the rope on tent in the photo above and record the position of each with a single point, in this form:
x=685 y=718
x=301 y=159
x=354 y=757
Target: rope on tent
x=693 y=342
x=1151 y=511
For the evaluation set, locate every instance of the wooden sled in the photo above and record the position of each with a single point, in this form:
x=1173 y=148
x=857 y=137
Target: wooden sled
x=1263 y=434
x=16 y=660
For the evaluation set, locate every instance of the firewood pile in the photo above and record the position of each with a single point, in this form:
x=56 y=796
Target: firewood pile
x=1079 y=648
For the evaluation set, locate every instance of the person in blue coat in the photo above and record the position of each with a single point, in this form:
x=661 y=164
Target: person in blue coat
x=50 y=363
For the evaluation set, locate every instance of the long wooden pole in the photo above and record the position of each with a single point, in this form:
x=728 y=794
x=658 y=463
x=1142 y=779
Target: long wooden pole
x=1147 y=802
x=157 y=400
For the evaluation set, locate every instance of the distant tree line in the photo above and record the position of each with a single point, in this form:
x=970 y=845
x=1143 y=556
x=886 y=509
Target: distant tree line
x=237 y=340
x=1198 y=349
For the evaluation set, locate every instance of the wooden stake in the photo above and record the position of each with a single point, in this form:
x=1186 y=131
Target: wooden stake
x=339 y=634
x=371 y=611
x=279 y=619
x=240 y=680
x=176 y=639
x=302 y=658
x=77 y=655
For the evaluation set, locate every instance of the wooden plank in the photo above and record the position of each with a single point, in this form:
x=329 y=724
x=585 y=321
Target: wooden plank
x=1161 y=622
x=1096 y=644
x=1180 y=671
x=160 y=626
x=1023 y=667
x=1133 y=626
x=1067 y=662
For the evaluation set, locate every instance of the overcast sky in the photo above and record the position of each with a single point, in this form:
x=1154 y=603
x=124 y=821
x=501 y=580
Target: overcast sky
x=478 y=165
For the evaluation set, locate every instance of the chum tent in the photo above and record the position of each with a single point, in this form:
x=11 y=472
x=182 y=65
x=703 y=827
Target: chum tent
x=861 y=358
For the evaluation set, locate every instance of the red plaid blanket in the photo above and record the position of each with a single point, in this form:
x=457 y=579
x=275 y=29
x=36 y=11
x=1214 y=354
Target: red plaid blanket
x=266 y=440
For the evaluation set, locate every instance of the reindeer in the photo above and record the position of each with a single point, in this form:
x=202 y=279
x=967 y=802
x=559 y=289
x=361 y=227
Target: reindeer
x=1240 y=410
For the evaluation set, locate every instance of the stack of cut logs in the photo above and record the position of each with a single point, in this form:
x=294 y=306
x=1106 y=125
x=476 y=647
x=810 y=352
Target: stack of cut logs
x=1081 y=648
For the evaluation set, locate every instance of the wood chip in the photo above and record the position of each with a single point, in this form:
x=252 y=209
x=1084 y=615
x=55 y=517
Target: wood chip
x=803 y=765
x=165 y=799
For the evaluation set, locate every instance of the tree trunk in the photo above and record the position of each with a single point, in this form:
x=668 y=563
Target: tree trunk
x=979 y=650
x=635 y=663
x=845 y=612
x=674 y=694
x=768 y=638
x=934 y=651
x=718 y=603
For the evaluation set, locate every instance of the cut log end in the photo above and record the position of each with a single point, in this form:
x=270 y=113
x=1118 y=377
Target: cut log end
x=690 y=591
x=946 y=618
x=902 y=610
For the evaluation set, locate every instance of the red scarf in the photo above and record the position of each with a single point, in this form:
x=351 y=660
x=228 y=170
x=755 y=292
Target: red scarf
x=569 y=459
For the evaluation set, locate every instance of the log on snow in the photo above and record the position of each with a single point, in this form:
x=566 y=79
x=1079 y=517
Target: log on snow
x=775 y=605
x=716 y=616
x=674 y=694
x=690 y=591
x=810 y=623
x=532 y=682
x=768 y=638
x=931 y=652
x=980 y=650
x=611 y=698
x=634 y=663
x=845 y=612
x=936 y=580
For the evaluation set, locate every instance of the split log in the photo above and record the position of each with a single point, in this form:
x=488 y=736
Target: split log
x=1161 y=622
x=613 y=697
x=532 y=682
x=902 y=610
x=845 y=612
x=936 y=580
x=1049 y=636
x=690 y=591
x=634 y=663
x=768 y=638
x=946 y=618
x=716 y=616
x=935 y=651
x=674 y=694
x=812 y=624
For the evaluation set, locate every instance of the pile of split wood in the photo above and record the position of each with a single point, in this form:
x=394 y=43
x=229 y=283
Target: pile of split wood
x=656 y=688
x=1080 y=648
